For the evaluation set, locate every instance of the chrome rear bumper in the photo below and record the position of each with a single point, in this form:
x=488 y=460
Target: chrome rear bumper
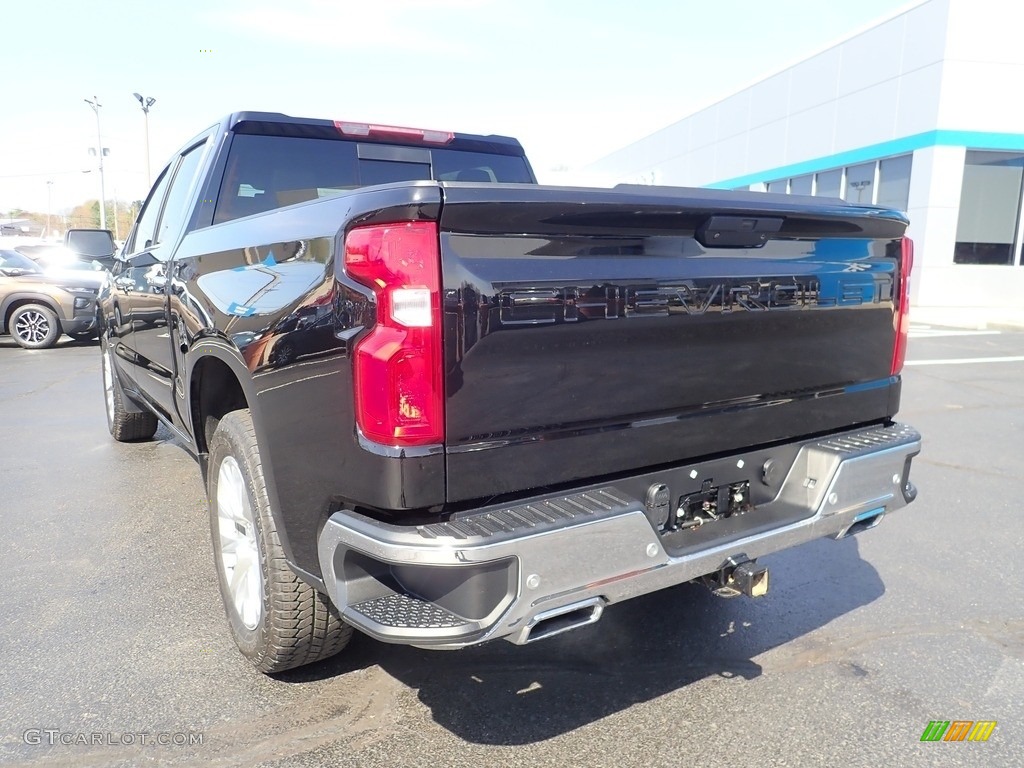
x=554 y=562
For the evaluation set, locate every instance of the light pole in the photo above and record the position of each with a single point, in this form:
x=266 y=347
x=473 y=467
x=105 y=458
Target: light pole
x=146 y=102
x=860 y=186
x=95 y=104
x=49 y=205
x=117 y=230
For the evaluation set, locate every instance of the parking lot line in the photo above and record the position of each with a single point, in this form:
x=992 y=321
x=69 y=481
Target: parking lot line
x=934 y=333
x=968 y=360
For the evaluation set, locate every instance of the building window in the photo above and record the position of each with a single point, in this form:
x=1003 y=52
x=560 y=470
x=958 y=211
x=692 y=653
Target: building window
x=885 y=183
x=860 y=184
x=990 y=200
x=801 y=185
x=830 y=183
x=894 y=182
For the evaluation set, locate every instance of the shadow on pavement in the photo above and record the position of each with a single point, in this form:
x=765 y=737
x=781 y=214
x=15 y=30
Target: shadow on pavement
x=66 y=341
x=7 y=342
x=502 y=694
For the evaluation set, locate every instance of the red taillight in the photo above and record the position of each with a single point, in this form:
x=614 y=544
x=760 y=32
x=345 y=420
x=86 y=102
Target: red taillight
x=901 y=319
x=415 y=134
x=399 y=386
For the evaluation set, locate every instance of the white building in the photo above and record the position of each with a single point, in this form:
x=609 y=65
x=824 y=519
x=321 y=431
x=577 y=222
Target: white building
x=921 y=112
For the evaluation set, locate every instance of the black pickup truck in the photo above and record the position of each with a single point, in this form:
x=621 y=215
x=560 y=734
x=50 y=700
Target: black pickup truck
x=442 y=404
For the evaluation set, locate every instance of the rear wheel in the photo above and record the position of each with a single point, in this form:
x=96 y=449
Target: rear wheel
x=34 y=326
x=277 y=620
x=125 y=425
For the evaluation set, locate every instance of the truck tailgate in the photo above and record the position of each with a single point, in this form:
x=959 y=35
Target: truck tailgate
x=590 y=332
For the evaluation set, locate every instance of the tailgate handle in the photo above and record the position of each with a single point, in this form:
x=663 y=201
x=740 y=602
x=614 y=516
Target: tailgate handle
x=737 y=231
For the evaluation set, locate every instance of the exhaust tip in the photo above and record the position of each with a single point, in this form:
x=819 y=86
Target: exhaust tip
x=865 y=521
x=558 y=620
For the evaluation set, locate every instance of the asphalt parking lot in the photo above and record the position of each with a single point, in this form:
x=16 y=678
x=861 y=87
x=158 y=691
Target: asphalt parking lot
x=112 y=622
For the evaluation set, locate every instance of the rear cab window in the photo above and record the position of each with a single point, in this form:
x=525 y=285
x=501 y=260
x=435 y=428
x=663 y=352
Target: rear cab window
x=264 y=172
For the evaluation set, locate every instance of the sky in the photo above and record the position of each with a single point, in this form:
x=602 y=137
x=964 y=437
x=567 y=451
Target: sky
x=573 y=80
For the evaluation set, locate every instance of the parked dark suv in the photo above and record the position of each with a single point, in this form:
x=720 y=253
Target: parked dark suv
x=36 y=308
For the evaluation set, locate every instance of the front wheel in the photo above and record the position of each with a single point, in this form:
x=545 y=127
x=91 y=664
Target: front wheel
x=35 y=326
x=276 y=619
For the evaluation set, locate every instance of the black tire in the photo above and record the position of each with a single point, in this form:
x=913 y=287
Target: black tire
x=283 y=354
x=287 y=623
x=126 y=425
x=83 y=335
x=34 y=326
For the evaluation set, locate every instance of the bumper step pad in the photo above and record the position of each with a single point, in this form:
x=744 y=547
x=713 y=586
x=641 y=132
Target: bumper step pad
x=532 y=517
x=408 y=612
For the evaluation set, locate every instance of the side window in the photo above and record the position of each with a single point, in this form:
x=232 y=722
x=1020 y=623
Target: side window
x=145 y=227
x=176 y=208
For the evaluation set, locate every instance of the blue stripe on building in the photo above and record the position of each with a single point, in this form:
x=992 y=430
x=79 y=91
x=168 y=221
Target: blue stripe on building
x=939 y=138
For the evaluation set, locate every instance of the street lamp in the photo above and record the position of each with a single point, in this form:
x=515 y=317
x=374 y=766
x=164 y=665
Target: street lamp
x=95 y=104
x=860 y=187
x=146 y=102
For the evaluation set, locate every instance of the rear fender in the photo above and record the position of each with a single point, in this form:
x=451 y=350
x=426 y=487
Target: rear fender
x=212 y=346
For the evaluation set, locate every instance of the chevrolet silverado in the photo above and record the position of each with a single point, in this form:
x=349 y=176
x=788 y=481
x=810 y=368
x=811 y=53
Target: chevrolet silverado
x=442 y=404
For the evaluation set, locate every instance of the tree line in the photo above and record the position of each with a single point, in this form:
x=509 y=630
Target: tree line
x=86 y=215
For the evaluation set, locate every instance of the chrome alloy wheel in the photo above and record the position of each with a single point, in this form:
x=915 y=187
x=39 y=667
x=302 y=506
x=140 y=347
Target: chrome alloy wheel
x=32 y=327
x=108 y=381
x=239 y=550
